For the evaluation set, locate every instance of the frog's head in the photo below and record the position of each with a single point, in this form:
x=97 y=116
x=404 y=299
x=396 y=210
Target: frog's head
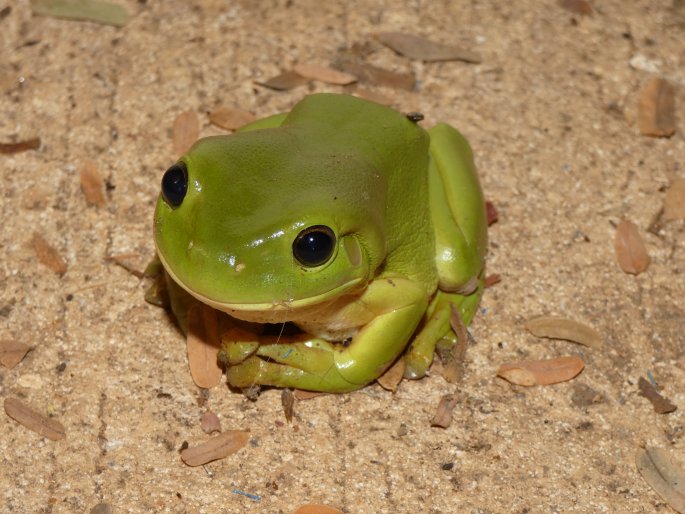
x=265 y=220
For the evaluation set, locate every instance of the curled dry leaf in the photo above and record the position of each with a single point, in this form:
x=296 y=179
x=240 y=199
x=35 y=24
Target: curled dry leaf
x=21 y=146
x=91 y=183
x=288 y=403
x=674 y=203
x=582 y=7
x=393 y=376
x=186 y=131
x=229 y=118
x=661 y=405
x=630 y=249
x=217 y=447
x=284 y=81
x=660 y=471
x=12 y=352
x=42 y=425
x=443 y=414
x=315 y=508
x=656 y=109
x=301 y=394
x=47 y=255
x=324 y=74
x=422 y=49
x=203 y=344
x=541 y=372
x=210 y=423
x=555 y=327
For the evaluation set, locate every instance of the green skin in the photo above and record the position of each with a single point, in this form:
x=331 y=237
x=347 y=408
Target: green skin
x=410 y=228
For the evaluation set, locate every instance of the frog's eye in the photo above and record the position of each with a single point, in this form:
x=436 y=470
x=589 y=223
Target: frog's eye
x=314 y=245
x=175 y=184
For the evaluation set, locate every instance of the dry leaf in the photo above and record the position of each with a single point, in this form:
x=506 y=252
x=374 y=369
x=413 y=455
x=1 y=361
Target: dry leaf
x=91 y=183
x=541 y=372
x=393 y=376
x=452 y=358
x=186 y=131
x=491 y=212
x=443 y=414
x=210 y=423
x=203 y=345
x=555 y=327
x=659 y=470
x=378 y=76
x=661 y=405
x=492 y=279
x=674 y=203
x=21 y=146
x=630 y=250
x=217 y=447
x=99 y=12
x=12 y=352
x=656 y=109
x=324 y=74
x=315 y=508
x=582 y=7
x=48 y=255
x=229 y=118
x=422 y=49
x=301 y=394
x=284 y=81
x=288 y=403
x=42 y=425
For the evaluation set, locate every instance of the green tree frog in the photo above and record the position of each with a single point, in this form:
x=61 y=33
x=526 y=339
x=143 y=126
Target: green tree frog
x=344 y=217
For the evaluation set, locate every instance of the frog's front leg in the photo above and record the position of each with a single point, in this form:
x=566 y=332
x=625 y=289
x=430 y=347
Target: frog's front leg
x=396 y=306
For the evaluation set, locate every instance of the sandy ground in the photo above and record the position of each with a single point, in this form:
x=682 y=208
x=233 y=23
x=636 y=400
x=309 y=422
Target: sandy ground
x=550 y=113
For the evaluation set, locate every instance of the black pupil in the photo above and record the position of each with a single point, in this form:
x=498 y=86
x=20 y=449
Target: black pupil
x=314 y=245
x=175 y=184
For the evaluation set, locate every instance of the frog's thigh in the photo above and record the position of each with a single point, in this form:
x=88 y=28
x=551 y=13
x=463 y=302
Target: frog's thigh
x=457 y=210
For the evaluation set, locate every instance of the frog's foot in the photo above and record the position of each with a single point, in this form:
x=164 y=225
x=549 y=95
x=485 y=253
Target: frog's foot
x=303 y=365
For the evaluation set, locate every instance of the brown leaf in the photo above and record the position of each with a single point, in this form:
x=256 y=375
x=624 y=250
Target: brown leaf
x=378 y=76
x=452 y=357
x=581 y=7
x=217 y=447
x=393 y=376
x=630 y=250
x=288 y=403
x=674 y=203
x=186 y=131
x=656 y=109
x=555 y=327
x=21 y=146
x=659 y=470
x=541 y=372
x=42 y=425
x=91 y=183
x=47 y=255
x=324 y=74
x=203 y=343
x=661 y=405
x=127 y=262
x=229 y=118
x=285 y=81
x=443 y=414
x=492 y=279
x=422 y=49
x=315 y=508
x=12 y=352
x=210 y=423
x=301 y=394
x=491 y=212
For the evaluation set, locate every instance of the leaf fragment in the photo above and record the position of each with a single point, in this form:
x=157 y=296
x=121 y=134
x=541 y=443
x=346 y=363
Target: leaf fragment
x=12 y=352
x=492 y=279
x=661 y=405
x=34 y=421
x=217 y=447
x=491 y=212
x=210 y=423
x=84 y=10
x=203 y=344
x=21 y=146
x=185 y=132
x=370 y=74
x=541 y=372
x=301 y=394
x=391 y=379
x=316 y=508
x=288 y=404
x=555 y=327
x=581 y=7
x=443 y=414
x=229 y=118
x=92 y=184
x=422 y=49
x=284 y=81
x=656 y=109
x=452 y=356
x=630 y=249
x=47 y=255
x=659 y=470
x=324 y=74
x=674 y=203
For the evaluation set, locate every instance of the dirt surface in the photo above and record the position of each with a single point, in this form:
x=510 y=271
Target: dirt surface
x=551 y=115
